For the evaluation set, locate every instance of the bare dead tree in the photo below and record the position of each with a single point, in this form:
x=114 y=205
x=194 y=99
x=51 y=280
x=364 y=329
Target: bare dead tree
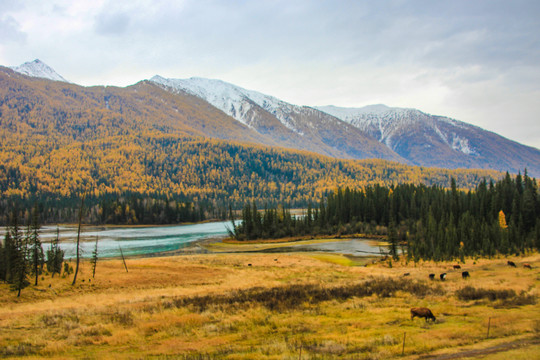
x=78 y=240
x=123 y=260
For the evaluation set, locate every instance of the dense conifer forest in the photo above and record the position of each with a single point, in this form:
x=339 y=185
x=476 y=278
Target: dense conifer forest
x=187 y=175
x=425 y=222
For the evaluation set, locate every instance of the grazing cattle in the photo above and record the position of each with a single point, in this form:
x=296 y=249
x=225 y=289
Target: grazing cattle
x=443 y=276
x=422 y=313
x=456 y=267
x=527 y=265
x=406 y=274
x=511 y=263
x=465 y=274
x=249 y=264
x=431 y=276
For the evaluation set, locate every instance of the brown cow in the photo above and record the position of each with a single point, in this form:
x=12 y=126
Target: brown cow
x=422 y=313
x=457 y=267
x=527 y=265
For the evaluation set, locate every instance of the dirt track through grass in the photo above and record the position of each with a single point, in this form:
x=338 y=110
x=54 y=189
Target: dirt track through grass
x=504 y=347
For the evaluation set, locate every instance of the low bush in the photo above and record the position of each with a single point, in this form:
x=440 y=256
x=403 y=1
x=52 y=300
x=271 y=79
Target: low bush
x=21 y=349
x=506 y=297
x=472 y=293
x=293 y=296
x=119 y=316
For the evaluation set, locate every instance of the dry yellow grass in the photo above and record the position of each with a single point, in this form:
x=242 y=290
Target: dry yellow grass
x=141 y=314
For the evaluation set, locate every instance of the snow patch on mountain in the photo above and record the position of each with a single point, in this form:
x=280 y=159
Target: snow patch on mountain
x=384 y=123
x=38 y=69
x=462 y=144
x=233 y=100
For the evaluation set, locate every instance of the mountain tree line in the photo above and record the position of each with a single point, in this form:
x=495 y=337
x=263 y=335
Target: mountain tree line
x=430 y=222
x=125 y=209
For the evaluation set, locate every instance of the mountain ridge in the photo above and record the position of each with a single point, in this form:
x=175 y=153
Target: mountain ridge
x=293 y=126
x=418 y=136
x=405 y=135
x=60 y=140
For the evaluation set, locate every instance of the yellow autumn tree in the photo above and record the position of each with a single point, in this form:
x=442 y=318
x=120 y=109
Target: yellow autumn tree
x=502 y=220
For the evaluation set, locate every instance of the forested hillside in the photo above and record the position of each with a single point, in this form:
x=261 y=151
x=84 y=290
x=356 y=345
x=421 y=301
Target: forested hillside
x=58 y=141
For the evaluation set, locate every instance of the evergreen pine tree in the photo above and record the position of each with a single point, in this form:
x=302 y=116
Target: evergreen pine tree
x=36 y=250
x=94 y=259
x=55 y=256
x=18 y=260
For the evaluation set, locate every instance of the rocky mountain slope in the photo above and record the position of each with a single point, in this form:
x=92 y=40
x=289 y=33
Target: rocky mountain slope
x=429 y=140
x=288 y=125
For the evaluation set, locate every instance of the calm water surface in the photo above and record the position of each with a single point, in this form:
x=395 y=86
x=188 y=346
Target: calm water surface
x=132 y=240
x=148 y=240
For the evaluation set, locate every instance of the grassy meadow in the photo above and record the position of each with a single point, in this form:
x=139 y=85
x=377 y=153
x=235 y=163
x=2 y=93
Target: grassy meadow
x=276 y=306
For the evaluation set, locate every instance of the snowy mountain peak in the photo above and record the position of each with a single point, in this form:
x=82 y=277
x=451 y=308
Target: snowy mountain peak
x=38 y=69
x=233 y=100
x=387 y=124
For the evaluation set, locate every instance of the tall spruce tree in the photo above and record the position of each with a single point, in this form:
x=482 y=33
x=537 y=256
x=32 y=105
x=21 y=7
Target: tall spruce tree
x=19 y=255
x=35 y=247
x=55 y=255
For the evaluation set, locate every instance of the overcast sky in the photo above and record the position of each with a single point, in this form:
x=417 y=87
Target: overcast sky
x=475 y=61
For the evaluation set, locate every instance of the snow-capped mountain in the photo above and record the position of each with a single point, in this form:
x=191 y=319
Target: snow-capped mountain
x=38 y=69
x=231 y=99
x=214 y=108
x=430 y=140
x=385 y=123
x=289 y=125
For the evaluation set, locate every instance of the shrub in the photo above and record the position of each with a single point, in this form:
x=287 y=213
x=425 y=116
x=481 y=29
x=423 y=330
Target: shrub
x=21 y=349
x=471 y=293
x=507 y=297
x=122 y=317
x=295 y=295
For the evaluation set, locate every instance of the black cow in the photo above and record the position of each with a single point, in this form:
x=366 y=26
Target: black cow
x=443 y=276
x=456 y=267
x=465 y=274
x=511 y=263
x=431 y=276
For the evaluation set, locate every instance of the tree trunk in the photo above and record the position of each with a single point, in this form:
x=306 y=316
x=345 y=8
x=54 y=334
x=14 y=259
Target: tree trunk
x=78 y=241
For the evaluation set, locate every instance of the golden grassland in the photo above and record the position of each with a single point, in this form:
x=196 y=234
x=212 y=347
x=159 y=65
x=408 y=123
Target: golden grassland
x=275 y=306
